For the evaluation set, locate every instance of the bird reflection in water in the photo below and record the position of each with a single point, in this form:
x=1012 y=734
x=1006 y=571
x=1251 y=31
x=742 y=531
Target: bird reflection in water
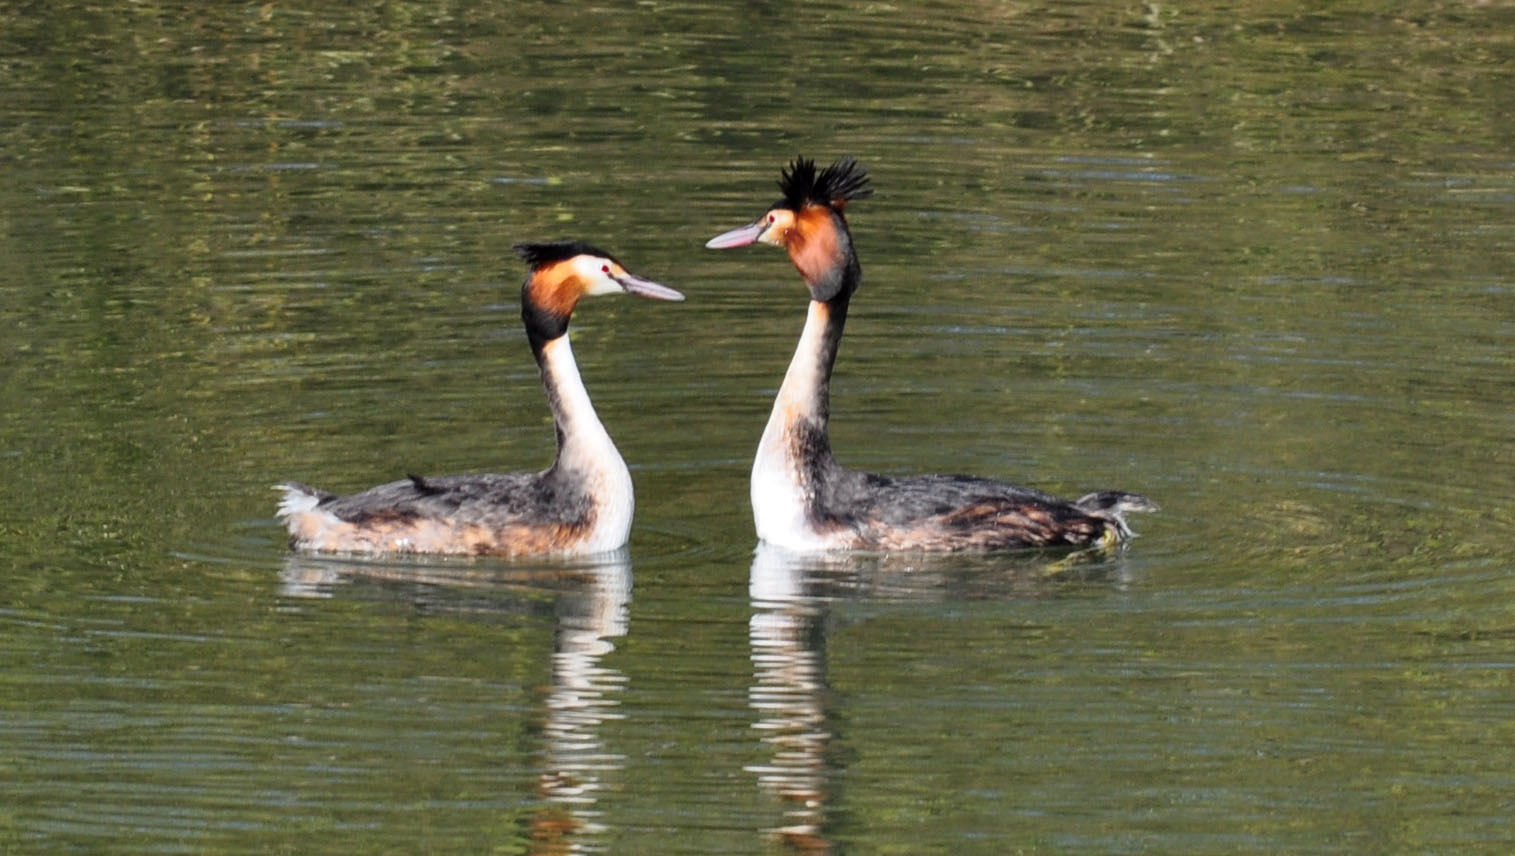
x=583 y=696
x=590 y=606
x=792 y=594
x=787 y=639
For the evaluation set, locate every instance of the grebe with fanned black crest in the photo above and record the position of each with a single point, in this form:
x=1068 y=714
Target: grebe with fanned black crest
x=582 y=504
x=802 y=498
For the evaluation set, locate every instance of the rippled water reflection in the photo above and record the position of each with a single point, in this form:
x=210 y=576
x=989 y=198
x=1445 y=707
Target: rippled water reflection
x=1254 y=262
x=589 y=612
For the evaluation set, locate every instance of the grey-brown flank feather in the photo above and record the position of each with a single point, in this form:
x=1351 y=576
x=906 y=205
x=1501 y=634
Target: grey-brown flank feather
x=495 y=501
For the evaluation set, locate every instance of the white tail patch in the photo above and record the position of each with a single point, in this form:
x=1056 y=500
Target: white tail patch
x=296 y=500
x=310 y=527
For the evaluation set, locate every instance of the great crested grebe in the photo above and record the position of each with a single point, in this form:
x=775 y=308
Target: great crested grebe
x=802 y=498
x=581 y=504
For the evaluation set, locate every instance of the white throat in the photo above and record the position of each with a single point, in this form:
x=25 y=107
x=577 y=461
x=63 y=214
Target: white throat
x=779 y=498
x=586 y=450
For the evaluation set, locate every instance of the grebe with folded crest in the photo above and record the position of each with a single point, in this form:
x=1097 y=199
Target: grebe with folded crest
x=581 y=504
x=802 y=498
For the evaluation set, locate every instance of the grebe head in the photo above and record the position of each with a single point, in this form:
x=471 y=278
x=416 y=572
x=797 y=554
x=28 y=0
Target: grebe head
x=562 y=272
x=808 y=222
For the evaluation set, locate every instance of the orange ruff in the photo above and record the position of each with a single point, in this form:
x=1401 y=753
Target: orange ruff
x=556 y=288
x=812 y=244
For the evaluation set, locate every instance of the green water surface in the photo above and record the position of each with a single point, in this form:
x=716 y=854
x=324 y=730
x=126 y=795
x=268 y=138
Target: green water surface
x=1254 y=260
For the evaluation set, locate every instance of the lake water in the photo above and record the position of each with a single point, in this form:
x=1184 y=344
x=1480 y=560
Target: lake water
x=1257 y=262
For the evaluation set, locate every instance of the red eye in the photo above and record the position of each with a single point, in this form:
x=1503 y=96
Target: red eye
x=770 y=219
x=604 y=268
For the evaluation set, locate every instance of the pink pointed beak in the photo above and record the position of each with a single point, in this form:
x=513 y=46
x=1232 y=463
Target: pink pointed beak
x=647 y=288
x=739 y=237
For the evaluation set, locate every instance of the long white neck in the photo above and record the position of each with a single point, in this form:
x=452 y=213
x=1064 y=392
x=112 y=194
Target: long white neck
x=782 y=474
x=585 y=450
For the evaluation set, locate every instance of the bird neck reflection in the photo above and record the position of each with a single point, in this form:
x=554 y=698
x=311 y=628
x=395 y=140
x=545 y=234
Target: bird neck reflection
x=789 y=694
x=582 y=697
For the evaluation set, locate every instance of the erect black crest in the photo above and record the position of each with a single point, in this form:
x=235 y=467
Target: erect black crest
x=548 y=252
x=835 y=185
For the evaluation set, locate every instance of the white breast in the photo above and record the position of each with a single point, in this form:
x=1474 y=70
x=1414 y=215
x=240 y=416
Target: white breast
x=588 y=451
x=780 y=499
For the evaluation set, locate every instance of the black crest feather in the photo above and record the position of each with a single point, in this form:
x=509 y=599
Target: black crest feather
x=836 y=185
x=547 y=252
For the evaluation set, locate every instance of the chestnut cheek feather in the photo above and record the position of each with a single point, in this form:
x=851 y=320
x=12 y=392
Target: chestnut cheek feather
x=813 y=245
x=556 y=290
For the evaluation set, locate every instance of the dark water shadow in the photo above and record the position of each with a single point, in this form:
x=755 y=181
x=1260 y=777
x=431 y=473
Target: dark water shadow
x=1027 y=574
x=589 y=602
